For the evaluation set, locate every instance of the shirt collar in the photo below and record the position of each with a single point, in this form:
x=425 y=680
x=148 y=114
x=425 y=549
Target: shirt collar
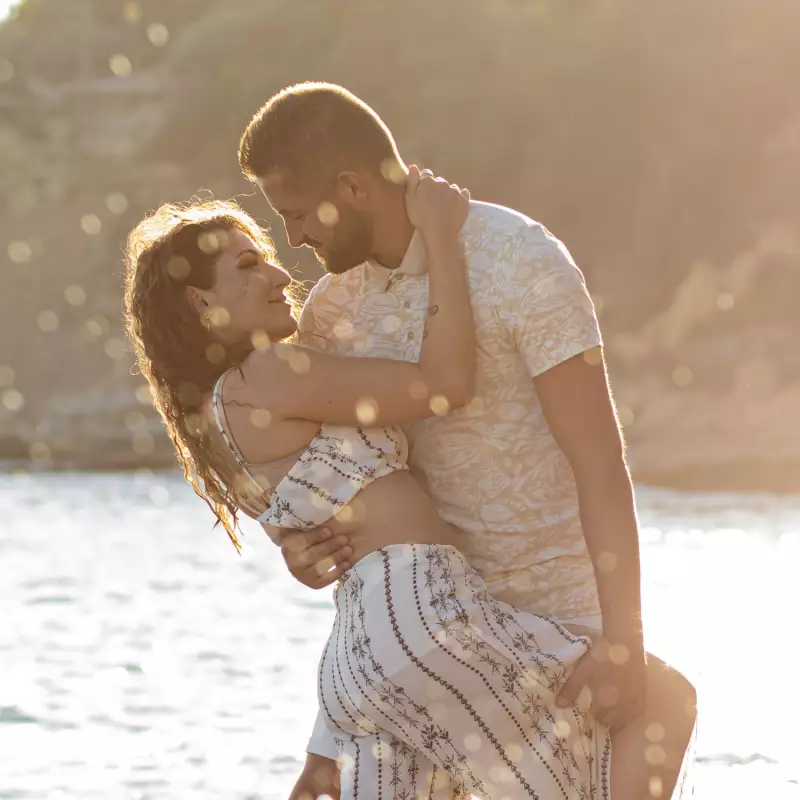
x=414 y=263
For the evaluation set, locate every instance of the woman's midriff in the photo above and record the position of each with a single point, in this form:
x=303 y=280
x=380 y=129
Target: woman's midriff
x=391 y=510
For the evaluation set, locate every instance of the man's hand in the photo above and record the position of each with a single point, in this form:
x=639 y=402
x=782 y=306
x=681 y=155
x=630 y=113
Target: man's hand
x=320 y=778
x=614 y=675
x=316 y=558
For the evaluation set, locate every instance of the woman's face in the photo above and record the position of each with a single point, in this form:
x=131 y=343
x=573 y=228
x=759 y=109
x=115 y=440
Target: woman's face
x=247 y=299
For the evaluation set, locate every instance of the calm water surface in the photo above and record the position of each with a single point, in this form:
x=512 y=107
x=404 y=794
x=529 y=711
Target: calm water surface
x=142 y=659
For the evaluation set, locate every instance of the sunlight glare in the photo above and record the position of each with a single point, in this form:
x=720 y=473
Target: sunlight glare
x=6 y=7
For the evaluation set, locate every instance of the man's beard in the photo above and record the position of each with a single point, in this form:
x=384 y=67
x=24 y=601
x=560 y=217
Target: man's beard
x=352 y=243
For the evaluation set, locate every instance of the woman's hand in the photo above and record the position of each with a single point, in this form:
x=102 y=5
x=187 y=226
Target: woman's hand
x=438 y=209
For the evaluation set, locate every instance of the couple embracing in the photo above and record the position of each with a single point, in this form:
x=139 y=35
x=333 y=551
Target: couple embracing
x=433 y=432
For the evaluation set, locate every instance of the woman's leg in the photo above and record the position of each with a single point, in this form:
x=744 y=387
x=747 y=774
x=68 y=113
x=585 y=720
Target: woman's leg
x=651 y=750
x=372 y=763
x=653 y=753
x=421 y=652
x=379 y=765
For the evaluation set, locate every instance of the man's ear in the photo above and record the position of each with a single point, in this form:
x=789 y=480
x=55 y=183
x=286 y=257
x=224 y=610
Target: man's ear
x=197 y=299
x=352 y=187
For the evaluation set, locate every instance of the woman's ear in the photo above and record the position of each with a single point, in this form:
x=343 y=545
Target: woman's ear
x=197 y=299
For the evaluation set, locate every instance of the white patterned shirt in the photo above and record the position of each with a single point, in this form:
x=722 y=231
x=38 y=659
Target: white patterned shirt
x=493 y=468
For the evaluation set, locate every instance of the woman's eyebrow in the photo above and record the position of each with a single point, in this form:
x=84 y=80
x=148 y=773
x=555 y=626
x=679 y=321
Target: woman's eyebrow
x=250 y=251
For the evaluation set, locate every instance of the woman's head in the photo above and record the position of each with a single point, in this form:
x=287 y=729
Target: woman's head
x=202 y=289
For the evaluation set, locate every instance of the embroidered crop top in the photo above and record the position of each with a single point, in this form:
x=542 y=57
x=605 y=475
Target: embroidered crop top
x=324 y=477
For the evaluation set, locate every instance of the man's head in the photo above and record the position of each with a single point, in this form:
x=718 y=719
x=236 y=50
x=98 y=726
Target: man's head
x=325 y=162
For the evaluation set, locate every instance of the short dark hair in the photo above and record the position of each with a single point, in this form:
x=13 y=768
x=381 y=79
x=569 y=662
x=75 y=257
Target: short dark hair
x=312 y=129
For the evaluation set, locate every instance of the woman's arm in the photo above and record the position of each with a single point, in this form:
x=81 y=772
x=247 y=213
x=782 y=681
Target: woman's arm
x=294 y=382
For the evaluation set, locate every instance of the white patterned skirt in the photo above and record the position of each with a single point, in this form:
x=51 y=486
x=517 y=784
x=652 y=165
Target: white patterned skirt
x=433 y=689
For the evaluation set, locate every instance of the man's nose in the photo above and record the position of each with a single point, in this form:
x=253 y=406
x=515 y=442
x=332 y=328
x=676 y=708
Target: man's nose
x=297 y=240
x=295 y=235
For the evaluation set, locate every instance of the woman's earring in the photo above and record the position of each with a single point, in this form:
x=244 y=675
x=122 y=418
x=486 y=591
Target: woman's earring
x=205 y=318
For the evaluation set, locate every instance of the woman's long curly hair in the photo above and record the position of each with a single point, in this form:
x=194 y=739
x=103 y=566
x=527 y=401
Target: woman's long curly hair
x=177 y=354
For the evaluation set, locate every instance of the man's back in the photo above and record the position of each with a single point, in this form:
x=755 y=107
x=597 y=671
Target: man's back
x=493 y=468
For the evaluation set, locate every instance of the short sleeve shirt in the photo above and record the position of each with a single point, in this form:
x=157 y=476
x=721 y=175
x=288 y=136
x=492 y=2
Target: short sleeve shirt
x=493 y=468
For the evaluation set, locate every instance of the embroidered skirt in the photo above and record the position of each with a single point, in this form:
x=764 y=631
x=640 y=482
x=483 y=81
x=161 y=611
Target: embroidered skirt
x=433 y=689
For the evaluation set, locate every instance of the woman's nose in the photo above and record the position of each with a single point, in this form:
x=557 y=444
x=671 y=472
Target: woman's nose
x=278 y=277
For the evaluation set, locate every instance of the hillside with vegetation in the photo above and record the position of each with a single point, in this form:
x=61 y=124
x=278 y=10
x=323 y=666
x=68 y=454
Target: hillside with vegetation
x=660 y=141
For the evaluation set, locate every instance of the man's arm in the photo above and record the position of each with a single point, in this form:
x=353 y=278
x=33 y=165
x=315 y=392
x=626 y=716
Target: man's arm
x=542 y=301
x=577 y=405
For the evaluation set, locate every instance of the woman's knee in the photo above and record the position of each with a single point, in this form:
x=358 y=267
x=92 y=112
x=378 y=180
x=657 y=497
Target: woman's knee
x=671 y=696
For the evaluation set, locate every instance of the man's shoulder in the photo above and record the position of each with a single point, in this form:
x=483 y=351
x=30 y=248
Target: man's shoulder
x=330 y=298
x=332 y=284
x=507 y=236
x=329 y=280
x=488 y=218
x=319 y=288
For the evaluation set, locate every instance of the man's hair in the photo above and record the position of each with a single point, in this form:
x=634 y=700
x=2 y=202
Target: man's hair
x=312 y=130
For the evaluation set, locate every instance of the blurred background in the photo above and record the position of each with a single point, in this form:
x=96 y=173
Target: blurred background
x=660 y=141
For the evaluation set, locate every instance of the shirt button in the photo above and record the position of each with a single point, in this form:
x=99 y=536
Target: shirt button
x=411 y=335
x=407 y=304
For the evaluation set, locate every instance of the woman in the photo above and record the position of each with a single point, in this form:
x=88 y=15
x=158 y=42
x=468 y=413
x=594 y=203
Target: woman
x=430 y=686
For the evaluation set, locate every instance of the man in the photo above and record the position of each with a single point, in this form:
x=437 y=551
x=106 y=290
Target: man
x=533 y=470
